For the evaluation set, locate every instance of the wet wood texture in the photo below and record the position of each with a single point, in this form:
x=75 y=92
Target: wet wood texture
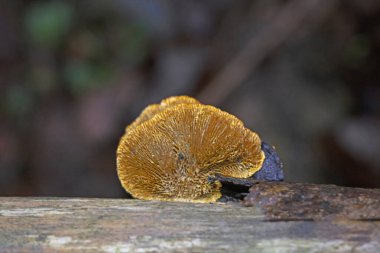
x=275 y=217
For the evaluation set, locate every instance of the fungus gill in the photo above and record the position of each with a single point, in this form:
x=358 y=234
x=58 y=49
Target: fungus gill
x=173 y=148
x=152 y=110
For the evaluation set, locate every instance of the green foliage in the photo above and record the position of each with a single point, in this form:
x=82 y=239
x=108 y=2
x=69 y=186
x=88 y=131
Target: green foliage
x=18 y=101
x=357 y=50
x=89 y=50
x=43 y=79
x=48 y=22
x=82 y=76
x=134 y=43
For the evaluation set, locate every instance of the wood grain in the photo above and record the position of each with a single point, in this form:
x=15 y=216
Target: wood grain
x=127 y=225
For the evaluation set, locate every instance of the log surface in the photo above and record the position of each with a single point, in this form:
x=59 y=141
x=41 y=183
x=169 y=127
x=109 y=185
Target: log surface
x=323 y=223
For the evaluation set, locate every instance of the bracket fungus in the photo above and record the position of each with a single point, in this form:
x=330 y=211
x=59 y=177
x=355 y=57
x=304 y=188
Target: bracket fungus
x=175 y=150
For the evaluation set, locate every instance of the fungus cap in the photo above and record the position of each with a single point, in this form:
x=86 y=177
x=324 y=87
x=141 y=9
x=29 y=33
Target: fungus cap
x=152 y=110
x=173 y=149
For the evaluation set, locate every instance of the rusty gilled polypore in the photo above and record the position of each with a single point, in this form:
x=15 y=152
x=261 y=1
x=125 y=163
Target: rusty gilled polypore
x=172 y=149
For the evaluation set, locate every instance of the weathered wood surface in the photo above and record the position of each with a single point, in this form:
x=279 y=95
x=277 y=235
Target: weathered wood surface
x=323 y=223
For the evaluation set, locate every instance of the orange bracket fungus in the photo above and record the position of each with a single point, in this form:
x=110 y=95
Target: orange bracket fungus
x=182 y=150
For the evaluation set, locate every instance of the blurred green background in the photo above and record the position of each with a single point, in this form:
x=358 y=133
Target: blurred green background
x=73 y=74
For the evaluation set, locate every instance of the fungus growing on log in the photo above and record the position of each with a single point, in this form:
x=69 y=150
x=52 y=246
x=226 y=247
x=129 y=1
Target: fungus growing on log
x=173 y=149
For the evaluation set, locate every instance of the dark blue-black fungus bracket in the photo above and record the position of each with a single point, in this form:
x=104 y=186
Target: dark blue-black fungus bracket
x=272 y=169
x=235 y=189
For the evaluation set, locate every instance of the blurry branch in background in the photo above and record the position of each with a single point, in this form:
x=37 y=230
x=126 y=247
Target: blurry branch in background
x=296 y=14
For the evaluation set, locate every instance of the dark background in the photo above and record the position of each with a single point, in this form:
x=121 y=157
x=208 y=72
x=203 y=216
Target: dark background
x=304 y=74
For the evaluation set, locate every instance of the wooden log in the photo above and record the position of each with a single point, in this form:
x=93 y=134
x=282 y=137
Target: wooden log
x=274 y=217
x=284 y=201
